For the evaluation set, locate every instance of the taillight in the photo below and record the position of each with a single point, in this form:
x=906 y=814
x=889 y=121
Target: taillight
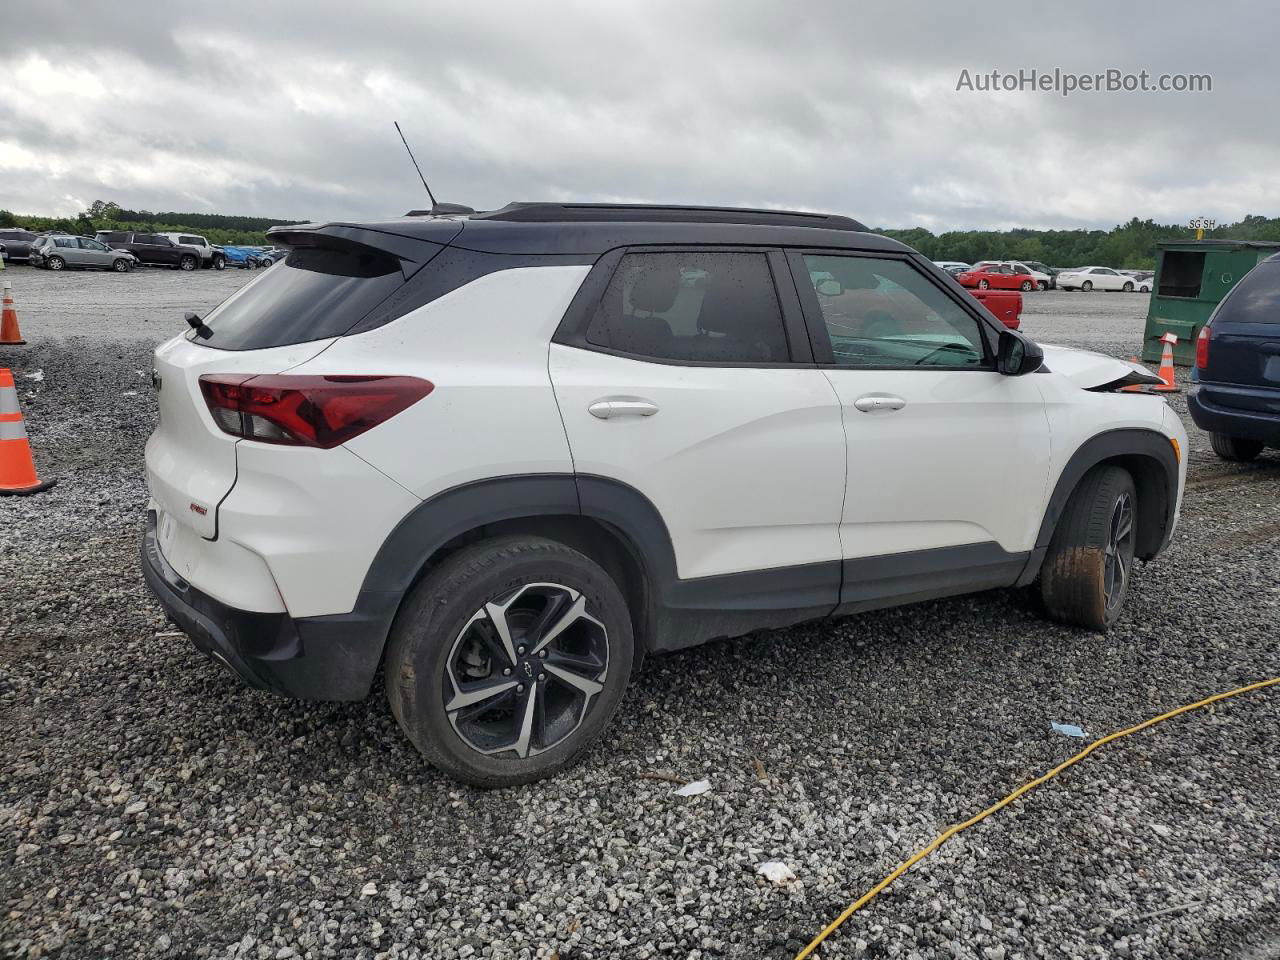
x=1202 y=347
x=307 y=411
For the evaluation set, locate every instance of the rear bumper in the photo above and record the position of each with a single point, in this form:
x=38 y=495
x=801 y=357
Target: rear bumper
x=310 y=658
x=1245 y=424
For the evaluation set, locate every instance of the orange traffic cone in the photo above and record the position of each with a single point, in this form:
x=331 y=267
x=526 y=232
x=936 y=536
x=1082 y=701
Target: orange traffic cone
x=10 y=335
x=1165 y=372
x=17 y=469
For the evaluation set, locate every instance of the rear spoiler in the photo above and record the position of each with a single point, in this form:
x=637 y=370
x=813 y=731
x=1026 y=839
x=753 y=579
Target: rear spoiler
x=340 y=236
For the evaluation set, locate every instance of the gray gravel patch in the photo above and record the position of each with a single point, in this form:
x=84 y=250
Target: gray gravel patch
x=151 y=806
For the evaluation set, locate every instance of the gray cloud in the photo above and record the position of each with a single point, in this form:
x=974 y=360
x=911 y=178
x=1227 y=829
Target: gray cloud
x=285 y=108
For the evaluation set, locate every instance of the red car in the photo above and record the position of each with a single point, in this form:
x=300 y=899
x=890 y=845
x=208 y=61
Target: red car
x=997 y=276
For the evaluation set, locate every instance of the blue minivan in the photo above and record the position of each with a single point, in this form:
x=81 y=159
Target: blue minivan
x=1235 y=392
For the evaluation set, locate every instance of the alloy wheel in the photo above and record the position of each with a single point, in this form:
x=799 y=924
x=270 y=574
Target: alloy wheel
x=524 y=671
x=1119 y=551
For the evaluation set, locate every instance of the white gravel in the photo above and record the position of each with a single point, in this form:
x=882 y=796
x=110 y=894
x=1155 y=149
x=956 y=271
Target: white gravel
x=151 y=806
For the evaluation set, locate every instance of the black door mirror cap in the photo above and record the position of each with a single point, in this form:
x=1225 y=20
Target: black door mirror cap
x=1018 y=354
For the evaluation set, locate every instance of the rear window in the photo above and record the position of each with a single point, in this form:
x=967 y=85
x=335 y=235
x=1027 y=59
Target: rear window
x=314 y=294
x=1255 y=299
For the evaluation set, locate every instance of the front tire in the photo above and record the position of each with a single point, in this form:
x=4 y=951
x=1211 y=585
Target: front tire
x=1235 y=448
x=1086 y=573
x=1087 y=286
x=188 y=263
x=55 y=263
x=219 y=263
x=120 y=265
x=1025 y=286
x=508 y=660
x=1128 y=287
x=984 y=284
x=1044 y=285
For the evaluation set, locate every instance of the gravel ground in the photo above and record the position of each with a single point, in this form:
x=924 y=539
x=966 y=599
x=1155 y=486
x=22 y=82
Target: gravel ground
x=151 y=806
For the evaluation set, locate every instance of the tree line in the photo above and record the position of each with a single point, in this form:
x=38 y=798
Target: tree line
x=1129 y=245
x=104 y=215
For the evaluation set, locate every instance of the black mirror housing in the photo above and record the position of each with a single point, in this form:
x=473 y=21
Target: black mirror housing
x=1017 y=354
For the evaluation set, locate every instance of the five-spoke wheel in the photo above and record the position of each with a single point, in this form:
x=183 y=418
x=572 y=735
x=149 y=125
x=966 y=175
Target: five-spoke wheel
x=523 y=671
x=508 y=659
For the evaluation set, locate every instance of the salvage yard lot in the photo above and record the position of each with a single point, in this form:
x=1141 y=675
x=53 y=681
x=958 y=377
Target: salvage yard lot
x=151 y=805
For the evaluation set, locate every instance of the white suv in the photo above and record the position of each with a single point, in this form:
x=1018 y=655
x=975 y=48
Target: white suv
x=505 y=456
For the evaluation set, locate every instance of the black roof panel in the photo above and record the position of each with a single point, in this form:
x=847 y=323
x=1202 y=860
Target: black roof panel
x=525 y=212
x=555 y=229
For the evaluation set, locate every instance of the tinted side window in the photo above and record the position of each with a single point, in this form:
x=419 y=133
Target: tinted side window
x=314 y=294
x=1255 y=299
x=885 y=313
x=714 y=306
x=191 y=241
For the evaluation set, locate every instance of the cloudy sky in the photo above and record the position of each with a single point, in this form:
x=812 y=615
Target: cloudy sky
x=284 y=109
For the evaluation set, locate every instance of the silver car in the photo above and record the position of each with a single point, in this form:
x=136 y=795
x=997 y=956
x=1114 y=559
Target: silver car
x=60 y=252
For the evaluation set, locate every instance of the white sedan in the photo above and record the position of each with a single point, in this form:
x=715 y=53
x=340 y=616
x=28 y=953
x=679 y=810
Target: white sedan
x=1095 y=278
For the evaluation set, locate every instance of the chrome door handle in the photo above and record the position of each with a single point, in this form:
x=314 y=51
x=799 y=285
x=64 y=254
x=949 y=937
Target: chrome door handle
x=610 y=407
x=879 y=403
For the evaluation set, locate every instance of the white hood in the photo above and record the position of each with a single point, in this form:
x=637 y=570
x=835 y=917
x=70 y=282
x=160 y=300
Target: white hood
x=1087 y=369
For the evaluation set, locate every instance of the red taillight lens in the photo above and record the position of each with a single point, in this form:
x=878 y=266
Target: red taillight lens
x=307 y=411
x=1202 y=347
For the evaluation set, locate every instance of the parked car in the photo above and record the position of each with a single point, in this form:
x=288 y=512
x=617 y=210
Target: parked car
x=63 y=252
x=244 y=258
x=211 y=256
x=1096 y=278
x=1037 y=267
x=18 y=243
x=952 y=266
x=152 y=249
x=1039 y=279
x=1005 y=305
x=4 y=252
x=998 y=276
x=582 y=434
x=1144 y=280
x=1235 y=386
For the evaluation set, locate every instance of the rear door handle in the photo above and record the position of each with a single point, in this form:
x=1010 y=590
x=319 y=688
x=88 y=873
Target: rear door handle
x=879 y=403
x=610 y=407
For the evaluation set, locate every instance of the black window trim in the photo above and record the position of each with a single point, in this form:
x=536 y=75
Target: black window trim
x=572 y=331
x=817 y=324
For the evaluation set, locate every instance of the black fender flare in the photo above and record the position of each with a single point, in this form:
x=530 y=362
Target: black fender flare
x=1147 y=453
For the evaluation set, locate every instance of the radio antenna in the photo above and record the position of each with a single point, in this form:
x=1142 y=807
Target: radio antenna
x=437 y=209
x=415 y=165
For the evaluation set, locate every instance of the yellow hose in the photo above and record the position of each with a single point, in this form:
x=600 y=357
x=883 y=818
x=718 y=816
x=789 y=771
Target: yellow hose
x=950 y=832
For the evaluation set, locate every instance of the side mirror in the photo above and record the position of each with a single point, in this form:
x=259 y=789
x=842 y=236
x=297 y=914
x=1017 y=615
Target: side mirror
x=829 y=288
x=1017 y=355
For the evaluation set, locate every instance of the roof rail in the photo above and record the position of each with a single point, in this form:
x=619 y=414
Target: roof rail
x=645 y=212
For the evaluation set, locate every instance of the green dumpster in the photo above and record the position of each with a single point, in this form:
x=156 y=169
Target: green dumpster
x=1192 y=276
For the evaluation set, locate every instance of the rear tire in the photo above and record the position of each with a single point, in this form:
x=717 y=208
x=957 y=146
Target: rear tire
x=1087 y=571
x=984 y=284
x=446 y=647
x=1235 y=448
x=1044 y=285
